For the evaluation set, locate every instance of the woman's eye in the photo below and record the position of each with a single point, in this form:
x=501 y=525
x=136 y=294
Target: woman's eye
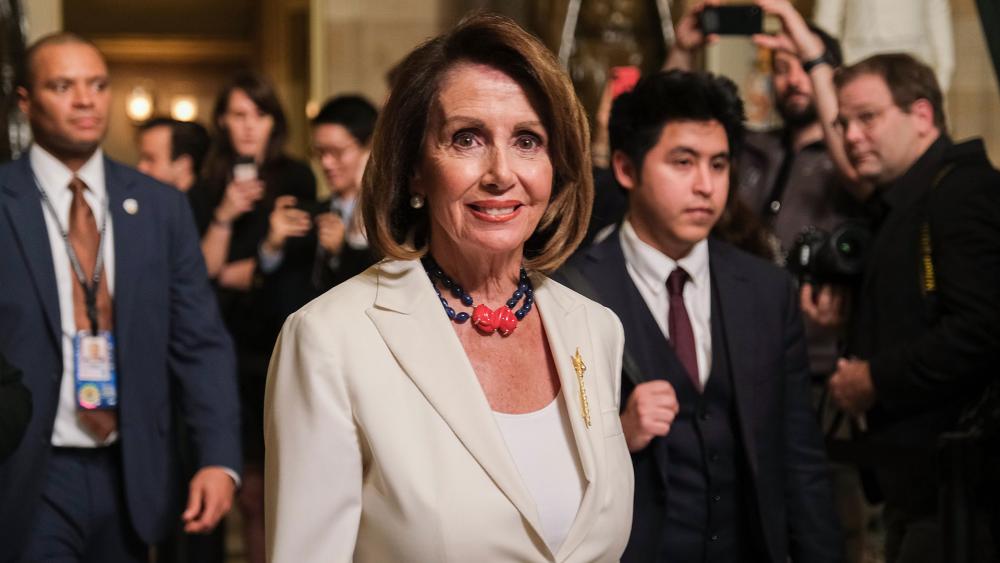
x=463 y=139
x=528 y=142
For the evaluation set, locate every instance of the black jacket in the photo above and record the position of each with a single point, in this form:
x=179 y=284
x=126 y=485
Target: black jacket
x=931 y=352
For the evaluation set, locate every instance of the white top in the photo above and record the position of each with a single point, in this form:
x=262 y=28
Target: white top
x=54 y=178
x=542 y=446
x=649 y=269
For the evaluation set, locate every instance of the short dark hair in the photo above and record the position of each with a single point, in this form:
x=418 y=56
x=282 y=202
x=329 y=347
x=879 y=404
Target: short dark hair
x=186 y=138
x=354 y=113
x=831 y=45
x=397 y=231
x=639 y=116
x=907 y=78
x=25 y=76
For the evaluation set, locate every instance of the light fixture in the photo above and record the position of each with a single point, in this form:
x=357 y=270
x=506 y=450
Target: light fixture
x=139 y=104
x=184 y=108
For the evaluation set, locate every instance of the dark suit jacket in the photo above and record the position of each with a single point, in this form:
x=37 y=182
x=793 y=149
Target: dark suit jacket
x=170 y=346
x=766 y=350
x=930 y=353
x=15 y=408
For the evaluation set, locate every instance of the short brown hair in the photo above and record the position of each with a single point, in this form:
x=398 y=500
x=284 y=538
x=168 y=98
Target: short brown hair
x=397 y=231
x=908 y=80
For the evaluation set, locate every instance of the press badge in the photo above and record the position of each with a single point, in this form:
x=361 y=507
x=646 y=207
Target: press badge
x=94 y=370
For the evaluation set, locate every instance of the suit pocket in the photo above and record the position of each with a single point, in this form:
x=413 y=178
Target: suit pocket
x=611 y=423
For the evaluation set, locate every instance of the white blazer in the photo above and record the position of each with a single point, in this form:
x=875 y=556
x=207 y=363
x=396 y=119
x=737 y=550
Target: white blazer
x=381 y=446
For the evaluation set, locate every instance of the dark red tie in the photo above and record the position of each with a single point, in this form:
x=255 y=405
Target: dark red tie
x=679 y=326
x=85 y=238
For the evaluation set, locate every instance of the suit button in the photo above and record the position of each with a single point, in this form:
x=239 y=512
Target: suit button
x=716 y=498
x=705 y=416
x=715 y=537
x=713 y=456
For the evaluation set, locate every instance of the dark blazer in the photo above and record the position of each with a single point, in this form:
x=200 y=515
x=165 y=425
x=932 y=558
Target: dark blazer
x=170 y=346
x=763 y=337
x=15 y=408
x=931 y=353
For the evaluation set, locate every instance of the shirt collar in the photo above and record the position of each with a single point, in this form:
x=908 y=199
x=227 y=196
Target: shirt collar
x=653 y=267
x=54 y=176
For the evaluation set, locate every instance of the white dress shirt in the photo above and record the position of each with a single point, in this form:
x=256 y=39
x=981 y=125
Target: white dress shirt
x=649 y=269
x=53 y=176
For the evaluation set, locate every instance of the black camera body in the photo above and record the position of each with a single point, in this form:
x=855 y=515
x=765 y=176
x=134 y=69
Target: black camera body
x=836 y=257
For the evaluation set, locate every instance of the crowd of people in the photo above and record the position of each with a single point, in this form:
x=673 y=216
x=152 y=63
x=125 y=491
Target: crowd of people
x=715 y=344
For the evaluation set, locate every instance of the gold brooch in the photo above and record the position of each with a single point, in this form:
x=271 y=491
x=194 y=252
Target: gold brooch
x=580 y=367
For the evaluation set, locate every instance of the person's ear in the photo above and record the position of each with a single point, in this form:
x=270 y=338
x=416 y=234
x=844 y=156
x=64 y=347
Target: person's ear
x=922 y=111
x=184 y=162
x=23 y=99
x=625 y=171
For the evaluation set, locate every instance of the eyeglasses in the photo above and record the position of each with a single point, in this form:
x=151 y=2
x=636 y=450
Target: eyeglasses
x=866 y=120
x=337 y=153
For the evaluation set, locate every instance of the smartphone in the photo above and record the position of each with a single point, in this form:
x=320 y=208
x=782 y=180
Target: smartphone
x=746 y=19
x=623 y=79
x=244 y=169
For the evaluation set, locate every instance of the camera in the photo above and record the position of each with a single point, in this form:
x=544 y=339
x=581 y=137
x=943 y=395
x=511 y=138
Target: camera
x=838 y=256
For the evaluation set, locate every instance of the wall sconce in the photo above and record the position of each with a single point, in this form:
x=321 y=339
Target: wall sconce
x=184 y=108
x=139 y=104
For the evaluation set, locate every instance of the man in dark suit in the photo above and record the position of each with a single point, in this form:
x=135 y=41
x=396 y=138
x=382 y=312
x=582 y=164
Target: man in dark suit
x=728 y=460
x=108 y=311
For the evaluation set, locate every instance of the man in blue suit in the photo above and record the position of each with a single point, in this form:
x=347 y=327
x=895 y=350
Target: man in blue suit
x=728 y=460
x=106 y=308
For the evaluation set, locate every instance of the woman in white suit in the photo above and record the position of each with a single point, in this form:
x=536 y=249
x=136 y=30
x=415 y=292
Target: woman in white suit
x=452 y=403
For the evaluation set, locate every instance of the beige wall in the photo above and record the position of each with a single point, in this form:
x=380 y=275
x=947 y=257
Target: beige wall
x=974 y=99
x=356 y=42
x=43 y=16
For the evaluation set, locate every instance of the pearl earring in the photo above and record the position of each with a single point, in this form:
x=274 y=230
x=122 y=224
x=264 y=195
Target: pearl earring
x=416 y=201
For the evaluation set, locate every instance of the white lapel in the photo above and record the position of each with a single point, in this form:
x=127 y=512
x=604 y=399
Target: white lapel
x=409 y=317
x=567 y=330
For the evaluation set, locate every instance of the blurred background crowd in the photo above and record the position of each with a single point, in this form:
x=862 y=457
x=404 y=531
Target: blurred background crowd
x=262 y=112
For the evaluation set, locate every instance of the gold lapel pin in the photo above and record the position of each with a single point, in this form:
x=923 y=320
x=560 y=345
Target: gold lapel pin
x=130 y=206
x=580 y=367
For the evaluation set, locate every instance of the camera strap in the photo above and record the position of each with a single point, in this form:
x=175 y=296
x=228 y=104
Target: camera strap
x=928 y=278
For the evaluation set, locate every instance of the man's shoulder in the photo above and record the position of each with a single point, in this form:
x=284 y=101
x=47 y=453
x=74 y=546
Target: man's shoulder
x=125 y=174
x=727 y=258
x=9 y=170
x=966 y=177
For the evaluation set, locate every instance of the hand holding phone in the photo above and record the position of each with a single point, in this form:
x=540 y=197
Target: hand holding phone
x=244 y=169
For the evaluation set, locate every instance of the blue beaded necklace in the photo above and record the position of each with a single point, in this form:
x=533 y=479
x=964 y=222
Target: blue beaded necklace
x=503 y=320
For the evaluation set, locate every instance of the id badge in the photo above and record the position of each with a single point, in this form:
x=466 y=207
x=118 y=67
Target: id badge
x=94 y=370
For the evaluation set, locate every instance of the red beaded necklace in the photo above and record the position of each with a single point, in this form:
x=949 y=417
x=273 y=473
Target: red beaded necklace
x=502 y=319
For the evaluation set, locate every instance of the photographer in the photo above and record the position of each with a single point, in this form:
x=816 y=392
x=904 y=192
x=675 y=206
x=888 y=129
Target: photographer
x=924 y=345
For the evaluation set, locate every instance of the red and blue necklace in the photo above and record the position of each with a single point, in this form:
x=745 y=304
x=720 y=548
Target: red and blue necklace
x=504 y=319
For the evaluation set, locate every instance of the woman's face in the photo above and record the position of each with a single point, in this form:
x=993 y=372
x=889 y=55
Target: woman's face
x=249 y=127
x=485 y=169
